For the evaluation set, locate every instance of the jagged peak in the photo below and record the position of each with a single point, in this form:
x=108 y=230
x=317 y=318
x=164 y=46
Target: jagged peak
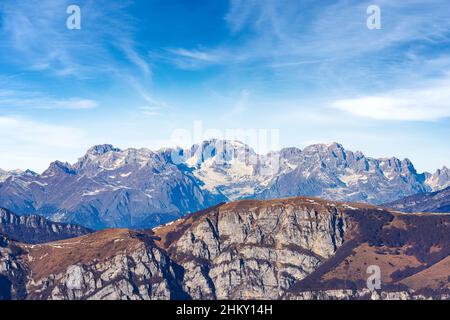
x=397 y=164
x=222 y=143
x=31 y=173
x=11 y=172
x=391 y=160
x=443 y=170
x=212 y=147
x=102 y=149
x=335 y=145
x=289 y=151
x=323 y=147
x=59 y=166
x=407 y=161
x=409 y=165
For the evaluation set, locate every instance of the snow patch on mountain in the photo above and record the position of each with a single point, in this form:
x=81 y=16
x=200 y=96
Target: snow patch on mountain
x=110 y=187
x=439 y=180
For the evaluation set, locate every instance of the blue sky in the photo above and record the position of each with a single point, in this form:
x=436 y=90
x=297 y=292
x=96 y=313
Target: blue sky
x=138 y=71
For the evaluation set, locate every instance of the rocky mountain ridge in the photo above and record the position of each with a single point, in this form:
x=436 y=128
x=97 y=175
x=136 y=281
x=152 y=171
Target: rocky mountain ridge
x=109 y=188
x=438 y=201
x=141 y=188
x=296 y=248
x=36 y=229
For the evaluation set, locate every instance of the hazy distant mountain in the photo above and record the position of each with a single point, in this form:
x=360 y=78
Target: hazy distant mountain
x=109 y=187
x=439 y=180
x=331 y=172
x=438 y=201
x=36 y=229
x=137 y=188
x=6 y=174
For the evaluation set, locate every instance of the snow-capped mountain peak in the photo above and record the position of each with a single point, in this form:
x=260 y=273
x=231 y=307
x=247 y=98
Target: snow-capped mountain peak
x=6 y=174
x=101 y=149
x=110 y=187
x=228 y=167
x=439 y=180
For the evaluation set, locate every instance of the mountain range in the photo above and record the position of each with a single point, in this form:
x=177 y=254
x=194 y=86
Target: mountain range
x=295 y=248
x=438 y=201
x=141 y=188
x=36 y=229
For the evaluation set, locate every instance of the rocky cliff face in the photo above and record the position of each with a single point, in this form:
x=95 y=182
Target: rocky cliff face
x=140 y=188
x=110 y=265
x=298 y=248
x=253 y=250
x=36 y=229
x=13 y=275
x=117 y=264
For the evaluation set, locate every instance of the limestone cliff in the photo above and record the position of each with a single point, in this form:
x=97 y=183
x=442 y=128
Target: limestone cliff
x=296 y=248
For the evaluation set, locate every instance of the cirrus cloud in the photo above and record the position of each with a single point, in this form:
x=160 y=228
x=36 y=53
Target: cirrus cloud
x=37 y=100
x=427 y=103
x=22 y=139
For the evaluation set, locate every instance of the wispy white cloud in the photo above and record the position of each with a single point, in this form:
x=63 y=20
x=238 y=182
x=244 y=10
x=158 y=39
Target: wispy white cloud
x=192 y=59
x=74 y=103
x=14 y=130
x=240 y=12
x=297 y=28
x=274 y=34
x=153 y=106
x=426 y=103
x=137 y=59
x=12 y=99
x=33 y=144
x=240 y=105
x=196 y=55
x=34 y=37
x=150 y=111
